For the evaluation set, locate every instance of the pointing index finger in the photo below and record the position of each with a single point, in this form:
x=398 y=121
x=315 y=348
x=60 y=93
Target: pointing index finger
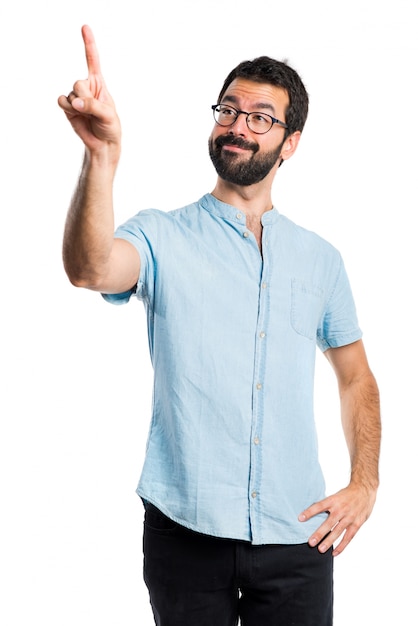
x=92 y=55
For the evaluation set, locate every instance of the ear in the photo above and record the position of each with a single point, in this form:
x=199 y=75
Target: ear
x=290 y=145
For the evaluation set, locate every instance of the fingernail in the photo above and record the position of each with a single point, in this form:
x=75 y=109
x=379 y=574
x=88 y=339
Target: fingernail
x=78 y=103
x=302 y=517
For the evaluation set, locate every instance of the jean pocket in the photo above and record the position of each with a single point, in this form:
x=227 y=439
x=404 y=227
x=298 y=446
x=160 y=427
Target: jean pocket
x=155 y=520
x=306 y=308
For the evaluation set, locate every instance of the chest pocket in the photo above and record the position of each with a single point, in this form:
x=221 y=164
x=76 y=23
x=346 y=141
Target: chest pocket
x=306 y=308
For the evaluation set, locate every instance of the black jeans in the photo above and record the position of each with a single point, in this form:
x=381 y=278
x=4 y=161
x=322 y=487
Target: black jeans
x=198 y=580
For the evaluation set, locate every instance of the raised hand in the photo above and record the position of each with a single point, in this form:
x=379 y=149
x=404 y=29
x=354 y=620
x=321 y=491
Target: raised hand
x=89 y=107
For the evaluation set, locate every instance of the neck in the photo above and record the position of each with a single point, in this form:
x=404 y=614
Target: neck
x=253 y=200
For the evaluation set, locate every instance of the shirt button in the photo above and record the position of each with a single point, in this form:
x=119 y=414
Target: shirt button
x=264 y=285
x=262 y=334
x=246 y=234
x=239 y=215
x=259 y=386
x=254 y=494
x=256 y=441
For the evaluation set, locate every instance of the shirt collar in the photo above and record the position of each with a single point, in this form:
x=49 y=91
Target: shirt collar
x=231 y=213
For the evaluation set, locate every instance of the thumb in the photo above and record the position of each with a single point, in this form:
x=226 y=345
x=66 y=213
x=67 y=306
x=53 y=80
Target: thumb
x=78 y=104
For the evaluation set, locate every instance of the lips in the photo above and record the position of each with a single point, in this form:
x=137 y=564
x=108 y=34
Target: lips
x=237 y=142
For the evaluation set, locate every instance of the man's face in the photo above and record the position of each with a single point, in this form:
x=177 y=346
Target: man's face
x=239 y=155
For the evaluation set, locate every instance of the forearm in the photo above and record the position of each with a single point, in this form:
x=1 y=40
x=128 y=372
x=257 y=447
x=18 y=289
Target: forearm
x=350 y=507
x=89 y=228
x=360 y=407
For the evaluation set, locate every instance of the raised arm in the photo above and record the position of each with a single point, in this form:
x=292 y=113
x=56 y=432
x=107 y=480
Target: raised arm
x=92 y=257
x=360 y=412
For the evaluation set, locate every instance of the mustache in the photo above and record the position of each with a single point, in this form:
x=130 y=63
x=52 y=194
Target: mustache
x=231 y=140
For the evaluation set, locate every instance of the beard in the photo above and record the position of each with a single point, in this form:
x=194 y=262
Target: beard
x=236 y=168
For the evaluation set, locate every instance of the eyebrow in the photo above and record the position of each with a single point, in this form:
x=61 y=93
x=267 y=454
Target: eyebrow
x=257 y=106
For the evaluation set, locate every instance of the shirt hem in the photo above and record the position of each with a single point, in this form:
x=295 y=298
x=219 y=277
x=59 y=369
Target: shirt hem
x=268 y=540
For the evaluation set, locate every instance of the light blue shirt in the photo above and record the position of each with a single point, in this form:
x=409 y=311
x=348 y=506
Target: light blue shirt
x=232 y=447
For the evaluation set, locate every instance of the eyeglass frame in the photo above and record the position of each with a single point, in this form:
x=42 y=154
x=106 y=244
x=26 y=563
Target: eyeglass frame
x=274 y=120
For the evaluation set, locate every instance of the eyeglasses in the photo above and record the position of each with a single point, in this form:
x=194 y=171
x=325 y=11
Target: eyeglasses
x=258 y=123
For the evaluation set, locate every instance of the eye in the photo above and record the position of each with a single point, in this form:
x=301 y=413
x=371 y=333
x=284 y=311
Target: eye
x=259 y=118
x=226 y=111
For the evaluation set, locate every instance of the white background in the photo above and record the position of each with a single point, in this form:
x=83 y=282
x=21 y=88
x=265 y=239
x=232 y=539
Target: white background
x=76 y=378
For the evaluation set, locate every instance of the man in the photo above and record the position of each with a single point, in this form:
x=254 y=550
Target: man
x=237 y=524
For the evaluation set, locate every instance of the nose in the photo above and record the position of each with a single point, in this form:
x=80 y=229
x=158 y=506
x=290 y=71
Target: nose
x=239 y=127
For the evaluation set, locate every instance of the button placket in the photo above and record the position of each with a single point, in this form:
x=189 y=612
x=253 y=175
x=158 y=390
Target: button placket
x=246 y=234
x=255 y=485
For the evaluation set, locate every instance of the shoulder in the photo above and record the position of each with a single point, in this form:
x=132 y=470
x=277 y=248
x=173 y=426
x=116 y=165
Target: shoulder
x=306 y=239
x=149 y=221
x=168 y=216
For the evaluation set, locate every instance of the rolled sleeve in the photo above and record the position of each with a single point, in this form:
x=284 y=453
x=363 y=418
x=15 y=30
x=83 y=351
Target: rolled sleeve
x=339 y=323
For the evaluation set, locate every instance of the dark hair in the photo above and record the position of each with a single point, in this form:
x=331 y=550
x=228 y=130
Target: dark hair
x=278 y=73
